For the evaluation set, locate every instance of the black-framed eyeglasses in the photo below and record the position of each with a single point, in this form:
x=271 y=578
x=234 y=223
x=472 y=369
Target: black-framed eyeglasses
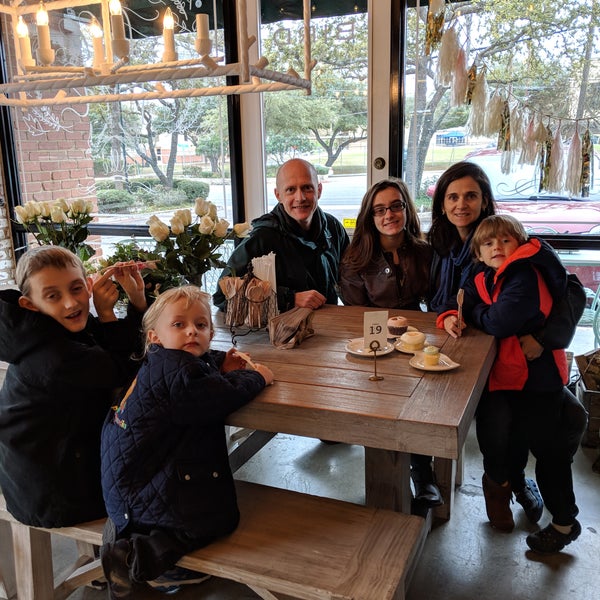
x=395 y=207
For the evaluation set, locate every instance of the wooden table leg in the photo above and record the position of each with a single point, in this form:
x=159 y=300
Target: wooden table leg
x=387 y=479
x=445 y=473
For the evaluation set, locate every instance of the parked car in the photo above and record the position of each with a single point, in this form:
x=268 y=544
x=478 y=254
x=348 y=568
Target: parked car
x=518 y=194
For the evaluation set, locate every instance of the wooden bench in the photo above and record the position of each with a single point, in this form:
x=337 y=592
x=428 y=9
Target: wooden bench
x=288 y=545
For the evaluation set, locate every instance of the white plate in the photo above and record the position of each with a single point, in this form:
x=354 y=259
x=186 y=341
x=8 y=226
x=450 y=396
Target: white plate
x=356 y=346
x=445 y=364
x=401 y=347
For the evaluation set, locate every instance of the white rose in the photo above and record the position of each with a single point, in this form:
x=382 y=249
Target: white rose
x=157 y=229
x=57 y=214
x=212 y=211
x=184 y=215
x=206 y=225
x=201 y=207
x=177 y=225
x=22 y=214
x=242 y=229
x=221 y=228
x=63 y=204
x=45 y=209
x=79 y=206
x=33 y=209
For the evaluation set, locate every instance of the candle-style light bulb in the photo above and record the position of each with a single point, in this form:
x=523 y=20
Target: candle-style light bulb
x=24 y=43
x=120 y=45
x=169 y=53
x=45 y=52
x=203 y=44
x=97 y=35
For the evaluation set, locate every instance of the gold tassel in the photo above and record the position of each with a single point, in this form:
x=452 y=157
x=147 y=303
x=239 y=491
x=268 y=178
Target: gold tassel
x=587 y=155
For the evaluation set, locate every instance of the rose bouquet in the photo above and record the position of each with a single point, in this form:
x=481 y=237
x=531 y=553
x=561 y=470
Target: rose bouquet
x=59 y=223
x=190 y=244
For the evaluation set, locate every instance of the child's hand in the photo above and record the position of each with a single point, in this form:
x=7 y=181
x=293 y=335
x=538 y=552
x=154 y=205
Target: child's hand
x=265 y=372
x=451 y=326
x=232 y=361
x=532 y=349
x=129 y=278
x=105 y=294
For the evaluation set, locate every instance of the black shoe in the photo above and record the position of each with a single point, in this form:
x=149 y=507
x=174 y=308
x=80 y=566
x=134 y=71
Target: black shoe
x=115 y=559
x=549 y=540
x=531 y=501
x=171 y=581
x=426 y=490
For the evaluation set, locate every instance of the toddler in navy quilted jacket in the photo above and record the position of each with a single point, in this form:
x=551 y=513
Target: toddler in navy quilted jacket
x=166 y=479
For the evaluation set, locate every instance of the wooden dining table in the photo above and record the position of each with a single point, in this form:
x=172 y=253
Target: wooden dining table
x=323 y=391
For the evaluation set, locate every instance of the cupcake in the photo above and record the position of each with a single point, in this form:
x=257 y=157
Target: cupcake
x=431 y=356
x=397 y=326
x=413 y=341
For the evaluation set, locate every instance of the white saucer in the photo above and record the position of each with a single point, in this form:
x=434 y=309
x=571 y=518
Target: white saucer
x=401 y=347
x=356 y=347
x=445 y=364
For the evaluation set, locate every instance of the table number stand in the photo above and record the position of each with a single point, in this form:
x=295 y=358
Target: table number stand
x=374 y=345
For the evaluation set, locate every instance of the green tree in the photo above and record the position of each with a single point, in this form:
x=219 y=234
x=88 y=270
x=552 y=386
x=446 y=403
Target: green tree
x=536 y=51
x=335 y=114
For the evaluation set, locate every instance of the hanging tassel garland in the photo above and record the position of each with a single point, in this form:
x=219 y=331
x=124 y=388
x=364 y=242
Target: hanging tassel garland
x=479 y=99
x=545 y=158
x=586 y=163
x=447 y=58
x=574 y=161
x=504 y=139
x=556 y=174
x=530 y=146
x=435 y=24
x=516 y=129
x=493 y=114
x=459 y=79
x=471 y=81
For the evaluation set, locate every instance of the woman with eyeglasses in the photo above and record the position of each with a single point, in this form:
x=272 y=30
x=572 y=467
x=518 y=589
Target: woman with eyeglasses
x=387 y=265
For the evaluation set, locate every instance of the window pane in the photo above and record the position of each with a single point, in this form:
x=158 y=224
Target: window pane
x=329 y=127
x=133 y=158
x=515 y=93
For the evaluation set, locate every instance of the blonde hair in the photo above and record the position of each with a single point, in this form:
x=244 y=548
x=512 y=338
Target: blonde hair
x=494 y=226
x=42 y=257
x=190 y=293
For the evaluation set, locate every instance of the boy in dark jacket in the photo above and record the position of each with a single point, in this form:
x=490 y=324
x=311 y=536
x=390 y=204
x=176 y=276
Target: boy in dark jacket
x=166 y=478
x=65 y=368
x=525 y=400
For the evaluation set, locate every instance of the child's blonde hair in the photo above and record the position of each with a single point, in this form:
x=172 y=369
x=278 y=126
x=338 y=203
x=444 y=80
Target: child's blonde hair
x=191 y=294
x=41 y=257
x=494 y=226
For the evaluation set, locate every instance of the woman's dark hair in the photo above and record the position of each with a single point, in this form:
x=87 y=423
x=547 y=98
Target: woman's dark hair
x=365 y=239
x=443 y=235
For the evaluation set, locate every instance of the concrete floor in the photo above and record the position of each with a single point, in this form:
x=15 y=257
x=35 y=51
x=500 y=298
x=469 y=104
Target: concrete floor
x=463 y=559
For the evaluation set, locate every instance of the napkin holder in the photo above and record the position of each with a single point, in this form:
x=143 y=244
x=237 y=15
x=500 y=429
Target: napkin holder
x=251 y=302
x=290 y=328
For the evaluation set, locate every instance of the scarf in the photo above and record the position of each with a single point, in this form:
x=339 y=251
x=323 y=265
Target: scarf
x=455 y=268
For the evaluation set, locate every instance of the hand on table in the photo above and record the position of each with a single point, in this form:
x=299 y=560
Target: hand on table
x=309 y=299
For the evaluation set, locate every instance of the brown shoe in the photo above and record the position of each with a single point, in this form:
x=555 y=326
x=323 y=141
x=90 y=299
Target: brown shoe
x=497 y=504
